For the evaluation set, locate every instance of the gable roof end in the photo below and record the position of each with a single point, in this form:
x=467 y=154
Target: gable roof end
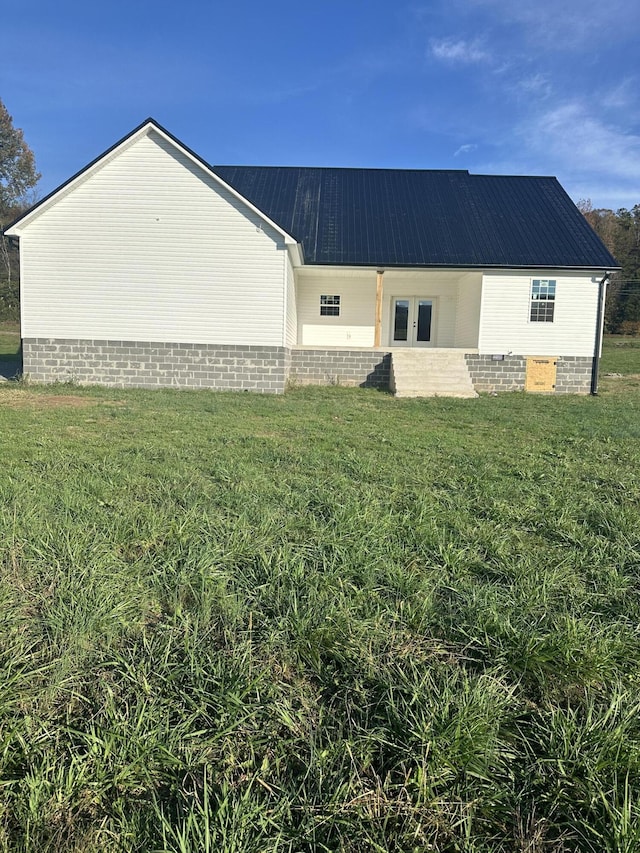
x=143 y=129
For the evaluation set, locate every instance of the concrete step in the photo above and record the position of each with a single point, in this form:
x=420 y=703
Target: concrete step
x=430 y=373
x=420 y=392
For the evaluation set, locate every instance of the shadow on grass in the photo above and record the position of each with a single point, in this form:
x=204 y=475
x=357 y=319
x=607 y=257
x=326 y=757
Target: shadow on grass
x=10 y=366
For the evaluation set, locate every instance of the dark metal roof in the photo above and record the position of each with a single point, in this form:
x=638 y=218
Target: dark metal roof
x=410 y=217
x=402 y=217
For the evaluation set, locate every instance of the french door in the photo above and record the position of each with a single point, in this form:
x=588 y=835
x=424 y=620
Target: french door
x=411 y=322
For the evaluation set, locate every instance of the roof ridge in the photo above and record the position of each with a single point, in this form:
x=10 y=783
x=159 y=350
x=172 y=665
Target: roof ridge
x=340 y=168
x=411 y=170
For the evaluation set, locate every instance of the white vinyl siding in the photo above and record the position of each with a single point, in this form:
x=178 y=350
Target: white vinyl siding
x=506 y=325
x=468 y=311
x=291 y=321
x=151 y=248
x=356 y=324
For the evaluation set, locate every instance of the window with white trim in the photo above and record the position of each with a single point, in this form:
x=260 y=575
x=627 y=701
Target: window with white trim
x=543 y=294
x=329 y=306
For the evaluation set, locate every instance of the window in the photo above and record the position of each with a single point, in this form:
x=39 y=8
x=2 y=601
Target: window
x=329 y=306
x=543 y=294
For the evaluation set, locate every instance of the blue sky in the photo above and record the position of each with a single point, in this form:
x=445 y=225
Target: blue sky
x=550 y=87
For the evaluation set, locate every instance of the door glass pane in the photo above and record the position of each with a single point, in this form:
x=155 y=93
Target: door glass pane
x=401 y=320
x=424 y=320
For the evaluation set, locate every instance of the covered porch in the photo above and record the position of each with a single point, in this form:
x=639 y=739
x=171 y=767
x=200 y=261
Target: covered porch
x=388 y=309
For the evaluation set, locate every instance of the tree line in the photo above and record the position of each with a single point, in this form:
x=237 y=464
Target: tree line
x=619 y=230
x=18 y=179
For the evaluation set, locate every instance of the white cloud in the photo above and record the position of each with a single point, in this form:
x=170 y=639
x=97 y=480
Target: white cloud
x=570 y=25
x=551 y=88
x=464 y=149
x=579 y=141
x=622 y=96
x=590 y=158
x=459 y=51
x=536 y=85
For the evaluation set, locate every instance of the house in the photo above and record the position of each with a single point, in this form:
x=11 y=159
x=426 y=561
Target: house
x=151 y=268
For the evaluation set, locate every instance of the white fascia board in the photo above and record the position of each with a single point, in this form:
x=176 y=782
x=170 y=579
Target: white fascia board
x=296 y=254
x=542 y=272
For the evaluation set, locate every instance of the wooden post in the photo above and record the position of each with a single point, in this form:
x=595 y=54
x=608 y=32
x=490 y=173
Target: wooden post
x=377 y=337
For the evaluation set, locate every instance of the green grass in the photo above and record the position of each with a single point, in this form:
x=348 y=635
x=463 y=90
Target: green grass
x=620 y=354
x=329 y=621
x=9 y=340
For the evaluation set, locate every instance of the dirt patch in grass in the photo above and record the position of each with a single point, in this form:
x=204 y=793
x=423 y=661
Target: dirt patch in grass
x=18 y=399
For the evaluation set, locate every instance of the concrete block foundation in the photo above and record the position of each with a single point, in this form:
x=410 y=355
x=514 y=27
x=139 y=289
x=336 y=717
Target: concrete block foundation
x=142 y=364
x=366 y=368
x=573 y=373
x=261 y=369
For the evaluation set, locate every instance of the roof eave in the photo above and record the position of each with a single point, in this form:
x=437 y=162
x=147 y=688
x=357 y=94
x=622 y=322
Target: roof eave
x=441 y=266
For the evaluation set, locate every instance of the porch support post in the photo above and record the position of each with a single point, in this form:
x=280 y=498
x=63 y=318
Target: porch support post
x=377 y=337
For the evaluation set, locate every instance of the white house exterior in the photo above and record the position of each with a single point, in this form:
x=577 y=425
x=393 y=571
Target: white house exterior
x=148 y=268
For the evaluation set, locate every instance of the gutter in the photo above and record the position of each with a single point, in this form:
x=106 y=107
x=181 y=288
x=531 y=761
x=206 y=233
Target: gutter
x=602 y=287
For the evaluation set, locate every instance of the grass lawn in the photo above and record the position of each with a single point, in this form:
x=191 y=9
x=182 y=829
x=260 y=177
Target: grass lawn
x=9 y=340
x=621 y=354
x=329 y=621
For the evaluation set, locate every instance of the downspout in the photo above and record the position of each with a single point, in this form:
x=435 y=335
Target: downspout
x=598 y=342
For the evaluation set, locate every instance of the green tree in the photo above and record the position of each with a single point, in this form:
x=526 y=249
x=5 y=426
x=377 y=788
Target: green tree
x=18 y=178
x=18 y=173
x=628 y=248
x=620 y=232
